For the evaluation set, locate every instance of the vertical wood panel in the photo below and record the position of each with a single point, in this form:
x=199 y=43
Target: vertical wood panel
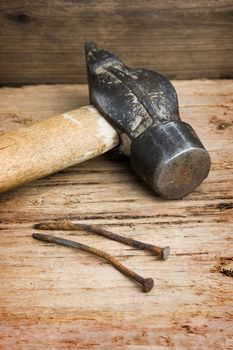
x=42 y=41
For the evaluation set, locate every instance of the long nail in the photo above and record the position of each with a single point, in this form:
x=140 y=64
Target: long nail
x=147 y=283
x=66 y=225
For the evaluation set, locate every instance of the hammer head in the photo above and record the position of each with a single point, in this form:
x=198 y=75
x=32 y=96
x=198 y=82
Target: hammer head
x=164 y=151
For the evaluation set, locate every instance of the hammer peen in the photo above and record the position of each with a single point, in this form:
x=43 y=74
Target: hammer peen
x=134 y=108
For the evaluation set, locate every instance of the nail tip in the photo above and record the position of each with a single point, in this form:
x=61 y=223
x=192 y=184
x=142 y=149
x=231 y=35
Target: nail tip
x=40 y=226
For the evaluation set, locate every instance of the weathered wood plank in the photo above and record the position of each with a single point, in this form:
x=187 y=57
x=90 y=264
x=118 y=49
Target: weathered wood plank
x=56 y=298
x=42 y=41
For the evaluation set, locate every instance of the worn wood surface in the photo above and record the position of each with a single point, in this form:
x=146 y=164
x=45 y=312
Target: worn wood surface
x=55 y=298
x=31 y=152
x=42 y=41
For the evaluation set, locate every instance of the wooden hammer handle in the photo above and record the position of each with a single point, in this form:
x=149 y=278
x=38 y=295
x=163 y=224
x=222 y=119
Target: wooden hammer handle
x=53 y=144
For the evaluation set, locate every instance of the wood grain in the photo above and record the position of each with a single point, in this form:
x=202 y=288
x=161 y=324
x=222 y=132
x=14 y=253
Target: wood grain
x=55 y=298
x=42 y=41
x=53 y=144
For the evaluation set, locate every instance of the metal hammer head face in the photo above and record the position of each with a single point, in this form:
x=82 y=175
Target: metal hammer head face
x=165 y=152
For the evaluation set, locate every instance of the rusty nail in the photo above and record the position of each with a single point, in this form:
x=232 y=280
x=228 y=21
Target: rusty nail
x=66 y=225
x=147 y=283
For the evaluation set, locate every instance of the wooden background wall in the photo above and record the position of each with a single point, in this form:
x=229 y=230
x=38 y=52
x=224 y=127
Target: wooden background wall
x=42 y=41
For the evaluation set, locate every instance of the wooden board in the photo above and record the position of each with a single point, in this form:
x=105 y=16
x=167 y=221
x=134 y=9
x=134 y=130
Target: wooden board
x=42 y=41
x=55 y=298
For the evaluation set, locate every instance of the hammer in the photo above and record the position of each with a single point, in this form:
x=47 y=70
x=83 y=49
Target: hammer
x=135 y=109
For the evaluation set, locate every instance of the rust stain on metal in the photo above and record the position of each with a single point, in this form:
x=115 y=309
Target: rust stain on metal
x=147 y=283
x=66 y=225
